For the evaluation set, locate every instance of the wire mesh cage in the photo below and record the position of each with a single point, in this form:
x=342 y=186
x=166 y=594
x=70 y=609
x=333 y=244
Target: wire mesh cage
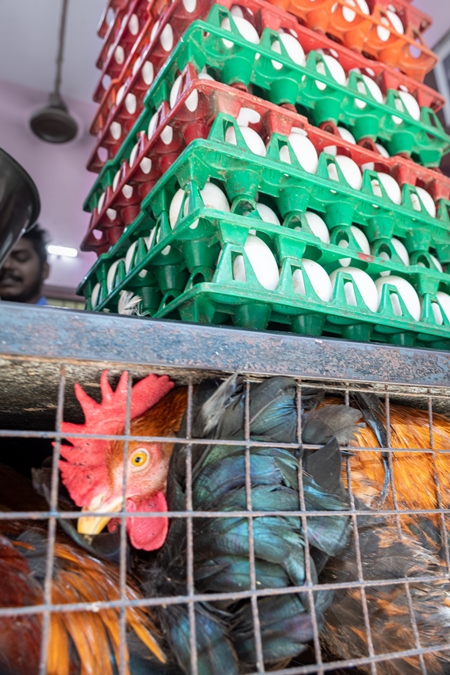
x=374 y=602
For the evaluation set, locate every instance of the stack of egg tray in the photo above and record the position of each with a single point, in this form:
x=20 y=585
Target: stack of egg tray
x=175 y=136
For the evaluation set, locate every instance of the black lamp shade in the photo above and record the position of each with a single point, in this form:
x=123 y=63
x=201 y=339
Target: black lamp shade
x=53 y=123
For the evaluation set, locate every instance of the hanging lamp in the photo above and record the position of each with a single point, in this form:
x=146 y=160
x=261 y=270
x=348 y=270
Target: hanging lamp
x=54 y=124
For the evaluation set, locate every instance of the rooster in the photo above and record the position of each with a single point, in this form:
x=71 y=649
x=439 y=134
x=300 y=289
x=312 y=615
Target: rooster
x=81 y=641
x=93 y=474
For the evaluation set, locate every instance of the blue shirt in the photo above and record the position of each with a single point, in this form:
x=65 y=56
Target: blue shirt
x=42 y=301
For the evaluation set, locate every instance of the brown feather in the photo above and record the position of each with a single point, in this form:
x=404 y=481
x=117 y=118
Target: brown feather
x=77 y=577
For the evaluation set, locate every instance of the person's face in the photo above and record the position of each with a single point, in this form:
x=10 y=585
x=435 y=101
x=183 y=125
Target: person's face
x=22 y=274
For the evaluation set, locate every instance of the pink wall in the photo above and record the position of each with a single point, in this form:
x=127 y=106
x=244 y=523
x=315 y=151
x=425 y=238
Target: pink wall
x=439 y=12
x=58 y=171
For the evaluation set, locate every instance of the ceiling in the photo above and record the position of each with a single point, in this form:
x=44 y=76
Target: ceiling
x=28 y=41
x=28 y=44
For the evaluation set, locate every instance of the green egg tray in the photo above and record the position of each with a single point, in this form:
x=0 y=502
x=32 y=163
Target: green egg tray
x=187 y=272
x=246 y=174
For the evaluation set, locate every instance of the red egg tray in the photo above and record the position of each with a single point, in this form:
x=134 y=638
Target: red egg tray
x=121 y=207
x=407 y=52
x=262 y=15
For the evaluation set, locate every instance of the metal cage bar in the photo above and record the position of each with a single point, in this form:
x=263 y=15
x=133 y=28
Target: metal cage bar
x=190 y=354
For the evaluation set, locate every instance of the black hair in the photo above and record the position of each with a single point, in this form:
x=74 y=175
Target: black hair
x=39 y=239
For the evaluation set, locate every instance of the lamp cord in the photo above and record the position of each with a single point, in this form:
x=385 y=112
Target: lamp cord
x=61 y=39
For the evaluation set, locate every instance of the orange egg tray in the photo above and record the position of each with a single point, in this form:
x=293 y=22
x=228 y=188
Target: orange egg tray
x=262 y=15
x=373 y=35
x=128 y=182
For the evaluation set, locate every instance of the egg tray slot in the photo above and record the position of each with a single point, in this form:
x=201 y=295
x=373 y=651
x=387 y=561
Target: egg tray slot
x=317 y=94
x=115 y=200
x=188 y=274
x=407 y=52
x=260 y=14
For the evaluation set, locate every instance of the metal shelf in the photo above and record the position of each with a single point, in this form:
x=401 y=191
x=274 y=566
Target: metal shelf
x=54 y=334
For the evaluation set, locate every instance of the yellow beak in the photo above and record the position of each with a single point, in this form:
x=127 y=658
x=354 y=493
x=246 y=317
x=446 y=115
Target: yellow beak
x=95 y=524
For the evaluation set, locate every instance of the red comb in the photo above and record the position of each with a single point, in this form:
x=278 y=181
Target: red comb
x=84 y=473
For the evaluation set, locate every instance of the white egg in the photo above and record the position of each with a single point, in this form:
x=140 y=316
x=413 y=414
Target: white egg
x=304 y=151
x=407 y=293
x=116 y=180
x=350 y=170
x=384 y=33
x=370 y=166
x=262 y=260
x=248 y=116
x=134 y=153
x=253 y=140
x=152 y=125
x=131 y=103
x=101 y=202
x=119 y=55
x=155 y=30
x=267 y=214
x=410 y=104
x=133 y=24
x=120 y=94
x=166 y=38
x=396 y=21
x=427 y=201
x=189 y=5
x=390 y=185
x=127 y=191
x=364 y=283
x=345 y=135
x=192 y=100
x=443 y=306
x=129 y=256
x=213 y=198
x=148 y=72
x=145 y=165
x=94 y=295
x=110 y=278
x=336 y=70
x=401 y=251
x=436 y=263
x=244 y=27
x=175 y=91
x=166 y=135
x=348 y=14
x=237 y=11
x=293 y=48
x=318 y=277
x=361 y=240
x=368 y=86
x=115 y=130
x=318 y=226
x=137 y=65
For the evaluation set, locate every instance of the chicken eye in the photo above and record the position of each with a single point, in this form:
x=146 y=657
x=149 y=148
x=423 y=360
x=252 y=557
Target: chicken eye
x=139 y=458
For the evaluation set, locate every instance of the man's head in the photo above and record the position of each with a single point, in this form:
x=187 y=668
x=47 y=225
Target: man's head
x=26 y=268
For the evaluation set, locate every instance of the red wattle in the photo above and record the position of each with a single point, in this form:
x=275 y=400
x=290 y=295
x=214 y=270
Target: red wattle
x=148 y=533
